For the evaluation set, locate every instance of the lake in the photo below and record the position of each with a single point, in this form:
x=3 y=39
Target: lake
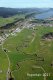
x=44 y=15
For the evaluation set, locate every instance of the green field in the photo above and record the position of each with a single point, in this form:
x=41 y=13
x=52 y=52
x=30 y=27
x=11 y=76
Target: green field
x=27 y=54
x=4 y=21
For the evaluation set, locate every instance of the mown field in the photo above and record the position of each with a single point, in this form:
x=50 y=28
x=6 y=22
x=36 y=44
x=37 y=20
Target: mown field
x=28 y=54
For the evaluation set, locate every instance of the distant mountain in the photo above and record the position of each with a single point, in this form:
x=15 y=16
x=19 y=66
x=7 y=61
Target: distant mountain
x=7 y=12
x=51 y=9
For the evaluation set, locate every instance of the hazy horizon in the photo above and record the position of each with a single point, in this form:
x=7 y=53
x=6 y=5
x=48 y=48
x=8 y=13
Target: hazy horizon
x=26 y=7
x=26 y=3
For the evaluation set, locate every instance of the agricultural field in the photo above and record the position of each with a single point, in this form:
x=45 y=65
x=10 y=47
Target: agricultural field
x=4 y=21
x=27 y=56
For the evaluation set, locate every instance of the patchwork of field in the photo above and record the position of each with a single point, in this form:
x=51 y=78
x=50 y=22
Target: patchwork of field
x=27 y=55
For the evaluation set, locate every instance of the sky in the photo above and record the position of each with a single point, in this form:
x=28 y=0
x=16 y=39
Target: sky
x=27 y=3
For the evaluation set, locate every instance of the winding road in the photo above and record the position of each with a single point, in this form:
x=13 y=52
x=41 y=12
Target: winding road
x=8 y=70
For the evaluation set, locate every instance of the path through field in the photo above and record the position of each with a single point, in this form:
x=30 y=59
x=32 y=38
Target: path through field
x=42 y=69
x=8 y=71
x=33 y=39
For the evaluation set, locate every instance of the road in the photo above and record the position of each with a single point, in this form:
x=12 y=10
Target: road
x=8 y=70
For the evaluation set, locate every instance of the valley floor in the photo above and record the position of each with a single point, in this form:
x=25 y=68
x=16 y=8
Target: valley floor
x=27 y=56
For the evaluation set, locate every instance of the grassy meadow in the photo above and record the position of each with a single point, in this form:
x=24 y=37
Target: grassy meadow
x=28 y=54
